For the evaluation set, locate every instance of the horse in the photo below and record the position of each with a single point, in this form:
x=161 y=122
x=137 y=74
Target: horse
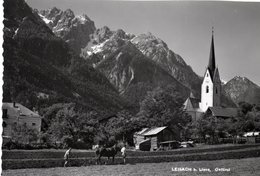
x=107 y=152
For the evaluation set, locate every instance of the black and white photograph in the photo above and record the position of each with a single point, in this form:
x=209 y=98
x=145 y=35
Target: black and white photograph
x=130 y=88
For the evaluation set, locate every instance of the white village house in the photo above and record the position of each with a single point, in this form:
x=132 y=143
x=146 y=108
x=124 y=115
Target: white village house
x=17 y=114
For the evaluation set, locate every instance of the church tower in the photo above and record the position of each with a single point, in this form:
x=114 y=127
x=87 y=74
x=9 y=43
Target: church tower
x=211 y=85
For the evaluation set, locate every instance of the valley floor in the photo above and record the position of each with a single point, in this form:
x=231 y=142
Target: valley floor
x=238 y=167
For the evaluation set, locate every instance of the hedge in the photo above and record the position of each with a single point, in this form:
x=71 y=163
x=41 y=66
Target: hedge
x=44 y=154
x=45 y=163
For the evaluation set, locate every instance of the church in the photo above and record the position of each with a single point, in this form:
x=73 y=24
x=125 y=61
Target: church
x=210 y=101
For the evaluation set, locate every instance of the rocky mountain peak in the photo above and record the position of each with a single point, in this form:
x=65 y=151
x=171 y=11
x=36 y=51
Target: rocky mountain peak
x=69 y=13
x=52 y=12
x=75 y=30
x=101 y=34
x=38 y=62
x=83 y=18
x=121 y=34
x=242 y=89
x=149 y=38
x=98 y=44
x=242 y=80
x=157 y=50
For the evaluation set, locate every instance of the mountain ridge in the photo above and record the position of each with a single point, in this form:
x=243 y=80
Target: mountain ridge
x=36 y=62
x=242 y=89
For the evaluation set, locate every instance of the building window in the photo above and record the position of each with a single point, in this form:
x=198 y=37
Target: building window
x=216 y=90
x=207 y=89
x=5 y=114
x=33 y=124
x=207 y=74
x=4 y=125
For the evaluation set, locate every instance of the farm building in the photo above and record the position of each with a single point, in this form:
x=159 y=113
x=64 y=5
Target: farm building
x=17 y=114
x=252 y=137
x=151 y=138
x=222 y=113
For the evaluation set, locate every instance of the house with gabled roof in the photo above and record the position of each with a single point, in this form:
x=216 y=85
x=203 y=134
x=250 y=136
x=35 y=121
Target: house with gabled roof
x=17 y=114
x=150 y=138
x=220 y=112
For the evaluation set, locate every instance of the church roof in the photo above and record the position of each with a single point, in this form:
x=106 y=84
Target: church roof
x=216 y=75
x=191 y=102
x=212 y=63
x=195 y=102
x=223 y=112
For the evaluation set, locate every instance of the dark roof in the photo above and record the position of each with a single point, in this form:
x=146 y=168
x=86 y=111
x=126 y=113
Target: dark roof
x=212 y=64
x=223 y=112
x=216 y=75
x=191 y=103
x=20 y=109
x=195 y=102
x=106 y=118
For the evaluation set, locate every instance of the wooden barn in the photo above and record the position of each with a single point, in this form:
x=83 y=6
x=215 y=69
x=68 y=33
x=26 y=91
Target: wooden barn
x=150 y=138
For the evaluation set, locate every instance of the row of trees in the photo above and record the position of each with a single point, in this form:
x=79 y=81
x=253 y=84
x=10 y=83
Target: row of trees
x=248 y=120
x=71 y=125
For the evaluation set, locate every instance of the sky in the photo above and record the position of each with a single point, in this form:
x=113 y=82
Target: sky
x=186 y=27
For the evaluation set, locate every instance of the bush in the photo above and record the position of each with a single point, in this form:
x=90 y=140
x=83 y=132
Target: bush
x=81 y=145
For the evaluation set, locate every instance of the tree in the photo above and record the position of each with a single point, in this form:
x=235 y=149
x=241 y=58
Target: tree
x=71 y=123
x=122 y=126
x=162 y=107
x=23 y=134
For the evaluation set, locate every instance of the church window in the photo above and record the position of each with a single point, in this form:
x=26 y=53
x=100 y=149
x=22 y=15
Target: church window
x=216 y=90
x=207 y=74
x=5 y=116
x=207 y=89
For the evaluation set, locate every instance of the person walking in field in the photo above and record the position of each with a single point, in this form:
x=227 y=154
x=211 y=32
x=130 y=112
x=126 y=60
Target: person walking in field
x=123 y=151
x=66 y=157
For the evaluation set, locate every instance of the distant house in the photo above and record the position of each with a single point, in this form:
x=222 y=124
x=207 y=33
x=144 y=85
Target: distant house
x=224 y=113
x=17 y=114
x=252 y=137
x=150 y=138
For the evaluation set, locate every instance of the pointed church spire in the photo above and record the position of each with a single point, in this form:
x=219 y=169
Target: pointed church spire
x=212 y=64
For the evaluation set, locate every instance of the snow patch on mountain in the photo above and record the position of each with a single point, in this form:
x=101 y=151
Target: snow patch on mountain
x=46 y=20
x=82 y=19
x=118 y=56
x=98 y=48
x=15 y=33
x=132 y=75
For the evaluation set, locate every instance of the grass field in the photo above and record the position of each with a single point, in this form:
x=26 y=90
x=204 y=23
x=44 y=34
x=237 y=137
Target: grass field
x=238 y=167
